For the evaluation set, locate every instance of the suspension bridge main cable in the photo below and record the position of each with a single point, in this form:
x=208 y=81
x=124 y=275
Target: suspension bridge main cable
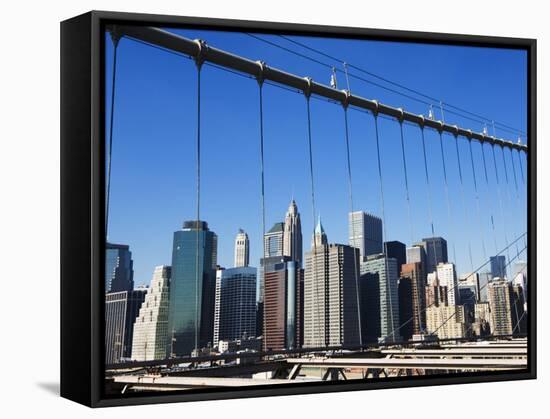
x=512 y=306
x=429 y=98
x=352 y=221
x=456 y=286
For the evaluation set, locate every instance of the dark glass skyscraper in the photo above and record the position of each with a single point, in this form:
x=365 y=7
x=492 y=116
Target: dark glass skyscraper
x=397 y=250
x=192 y=289
x=498 y=266
x=436 y=252
x=121 y=310
x=119 y=268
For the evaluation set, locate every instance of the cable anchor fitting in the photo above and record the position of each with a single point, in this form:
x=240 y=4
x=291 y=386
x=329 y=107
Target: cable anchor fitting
x=376 y=109
x=307 y=89
x=260 y=77
x=201 y=53
x=345 y=101
x=115 y=35
x=401 y=116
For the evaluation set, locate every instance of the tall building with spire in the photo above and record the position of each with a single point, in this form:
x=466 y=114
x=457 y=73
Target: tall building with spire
x=319 y=236
x=331 y=315
x=292 y=234
x=242 y=249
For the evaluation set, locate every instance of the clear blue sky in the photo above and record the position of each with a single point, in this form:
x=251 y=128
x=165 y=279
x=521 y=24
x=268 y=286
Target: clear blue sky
x=153 y=173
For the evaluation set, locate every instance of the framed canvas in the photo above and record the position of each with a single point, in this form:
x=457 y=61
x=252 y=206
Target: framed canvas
x=255 y=209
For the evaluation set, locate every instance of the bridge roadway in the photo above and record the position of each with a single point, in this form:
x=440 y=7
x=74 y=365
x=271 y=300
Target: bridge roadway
x=413 y=363
x=394 y=362
x=336 y=351
x=461 y=351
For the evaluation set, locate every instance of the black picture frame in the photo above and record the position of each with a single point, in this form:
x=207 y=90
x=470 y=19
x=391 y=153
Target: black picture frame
x=83 y=201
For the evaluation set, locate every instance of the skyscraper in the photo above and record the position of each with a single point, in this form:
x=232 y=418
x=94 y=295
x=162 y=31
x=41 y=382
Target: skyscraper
x=417 y=254
x=446 y=321
x=119 y=268
x=283 y=303
x=436 y=252
x=242 y=249
x=273 y=241
x=471 y=281
x=151 y=326
x=235 y=305
x=121 y=310
x=519 y=314
x=319 y=237
x=273 y=247
x=365 y=233
x=331 y=282
x=380 y=298
x=412 y=302
x=398 y=251
x=498 y=266
x=292 y=234
x=192 y=289
x=446 y=274
x=500 y=303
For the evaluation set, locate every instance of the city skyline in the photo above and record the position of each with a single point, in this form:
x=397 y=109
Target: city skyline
x=136 y=198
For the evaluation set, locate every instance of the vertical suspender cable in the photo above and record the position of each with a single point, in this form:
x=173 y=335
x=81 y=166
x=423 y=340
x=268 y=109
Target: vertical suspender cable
x=356 y=267
x=521 y=167
x=430 y=212
x=510 y=199
x=307 y=94
x=407 y=195
x=474 y=177
x=199 y=62
x=507 y=186
x=262 y=176
x=446 y=182
x=516 y=182
x=115 y=39
x=503 y=221
x=387 y=277
x=489 y=199
x=466 y=212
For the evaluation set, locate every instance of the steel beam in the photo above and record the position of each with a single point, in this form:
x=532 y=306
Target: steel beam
x=420 y=363
x=203 y=52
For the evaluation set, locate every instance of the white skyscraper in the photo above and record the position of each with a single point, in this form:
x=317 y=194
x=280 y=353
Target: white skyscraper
x=331 y=317
x=150 y=328
x=365 y=233
x=446 y=274
x=242 y=249
x=292 y=235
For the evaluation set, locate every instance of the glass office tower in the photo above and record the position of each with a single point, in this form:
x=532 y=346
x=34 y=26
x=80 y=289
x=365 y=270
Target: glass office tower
x=119 y=268
x=192 y=289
